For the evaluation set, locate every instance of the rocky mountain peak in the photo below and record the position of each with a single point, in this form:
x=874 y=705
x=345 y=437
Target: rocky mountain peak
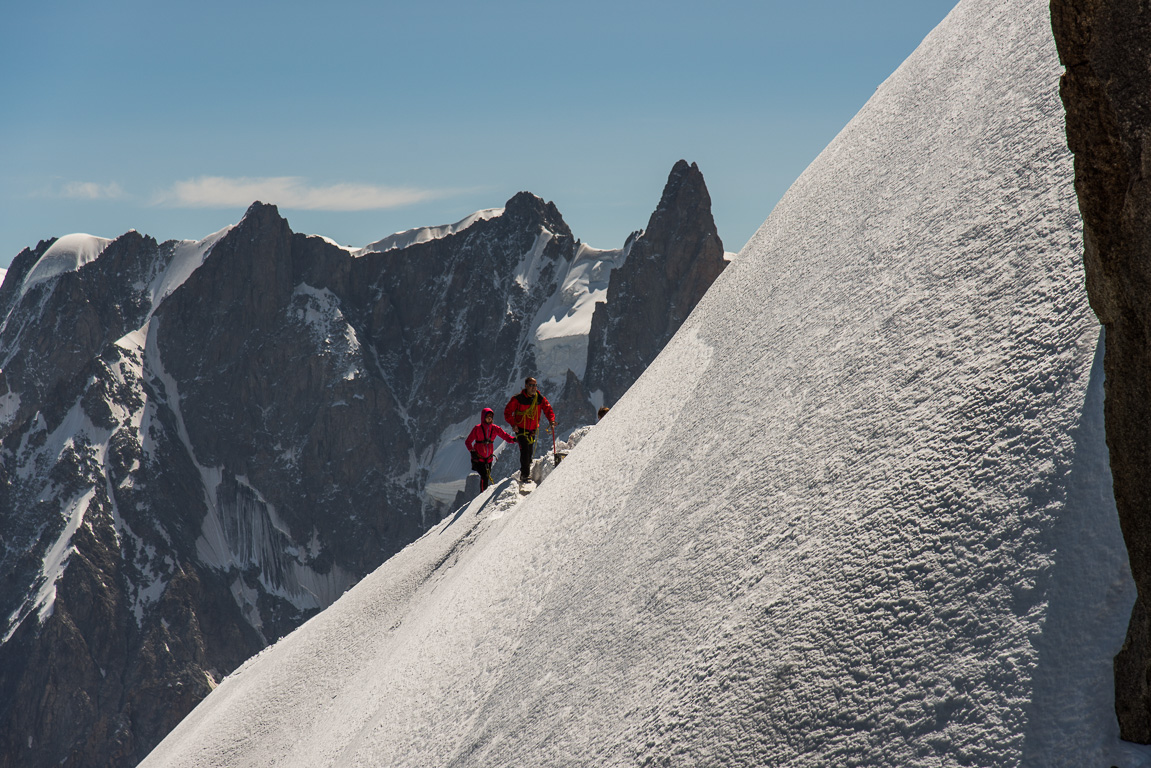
x=669 y=267
x=684 y=183
x=18 y=270
x=526 y=208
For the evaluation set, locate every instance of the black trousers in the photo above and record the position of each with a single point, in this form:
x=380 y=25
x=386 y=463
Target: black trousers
x=527 y=443
x=484 y=468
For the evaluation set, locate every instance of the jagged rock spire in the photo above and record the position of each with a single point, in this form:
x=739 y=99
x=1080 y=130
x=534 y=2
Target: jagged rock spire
x=668 y=269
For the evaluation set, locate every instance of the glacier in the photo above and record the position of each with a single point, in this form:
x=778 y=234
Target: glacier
x=858 y=511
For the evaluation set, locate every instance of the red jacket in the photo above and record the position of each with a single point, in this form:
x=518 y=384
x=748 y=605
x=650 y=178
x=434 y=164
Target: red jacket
x=483 y=436
x=523 y=411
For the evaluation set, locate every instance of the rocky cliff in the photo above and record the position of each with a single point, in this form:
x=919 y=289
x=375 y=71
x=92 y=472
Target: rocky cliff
x=669 y=267
x=1105 y=46
x=205 y=443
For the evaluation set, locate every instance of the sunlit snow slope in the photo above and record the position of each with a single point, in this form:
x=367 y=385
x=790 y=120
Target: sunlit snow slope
x=857 y=513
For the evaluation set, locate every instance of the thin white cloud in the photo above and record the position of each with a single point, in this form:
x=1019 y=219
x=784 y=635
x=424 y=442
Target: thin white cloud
x=290 y=192
x=90 y=190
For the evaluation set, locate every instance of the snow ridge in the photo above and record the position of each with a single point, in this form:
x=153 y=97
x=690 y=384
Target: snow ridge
x=424 y=234
x=67 y=254
x=187 y=256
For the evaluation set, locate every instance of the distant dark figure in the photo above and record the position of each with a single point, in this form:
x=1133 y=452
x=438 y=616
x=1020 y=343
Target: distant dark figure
x=523 y=414
x=481 y=444
x=602 y=412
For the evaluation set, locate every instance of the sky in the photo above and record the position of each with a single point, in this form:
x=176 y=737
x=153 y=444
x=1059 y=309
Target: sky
x=360 y=119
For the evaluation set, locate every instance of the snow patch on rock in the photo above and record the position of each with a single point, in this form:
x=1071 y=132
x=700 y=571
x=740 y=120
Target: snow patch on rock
x=319 y=309
x=563 y=323
x=187 y=257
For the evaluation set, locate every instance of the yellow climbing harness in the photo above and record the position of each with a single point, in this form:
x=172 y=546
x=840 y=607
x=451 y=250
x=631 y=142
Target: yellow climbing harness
x=527 y=415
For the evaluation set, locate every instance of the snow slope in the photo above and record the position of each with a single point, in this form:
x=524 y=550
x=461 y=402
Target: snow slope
x=858 y=511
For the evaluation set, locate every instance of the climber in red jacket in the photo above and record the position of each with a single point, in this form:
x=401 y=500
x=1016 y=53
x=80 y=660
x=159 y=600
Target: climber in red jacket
x=481 y=444
x=523 y=414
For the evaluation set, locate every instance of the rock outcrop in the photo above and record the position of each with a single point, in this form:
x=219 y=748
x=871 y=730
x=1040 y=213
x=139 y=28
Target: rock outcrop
x=1105 y=46
x=670 y=266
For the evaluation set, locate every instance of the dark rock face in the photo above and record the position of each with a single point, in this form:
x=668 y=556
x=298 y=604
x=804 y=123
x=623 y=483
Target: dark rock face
x=204 y=444
x=574 y=406
x=1105 y=46
x=668 y=269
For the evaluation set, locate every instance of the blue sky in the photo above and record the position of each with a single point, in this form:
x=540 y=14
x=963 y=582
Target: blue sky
x=360 y=119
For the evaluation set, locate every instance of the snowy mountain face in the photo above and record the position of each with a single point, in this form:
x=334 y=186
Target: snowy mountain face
x=205 y=443
x=857 y=512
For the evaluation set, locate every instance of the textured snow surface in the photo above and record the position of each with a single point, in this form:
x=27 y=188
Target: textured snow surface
x=858 y=511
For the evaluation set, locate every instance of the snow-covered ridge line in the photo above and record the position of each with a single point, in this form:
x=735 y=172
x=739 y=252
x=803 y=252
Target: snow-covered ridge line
x=71 y=252
x=424 y=234
x=187 y=257
x=67 y=254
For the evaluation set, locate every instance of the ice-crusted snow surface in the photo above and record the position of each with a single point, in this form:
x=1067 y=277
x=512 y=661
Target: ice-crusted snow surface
x=424 y=234
x=858 y=512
